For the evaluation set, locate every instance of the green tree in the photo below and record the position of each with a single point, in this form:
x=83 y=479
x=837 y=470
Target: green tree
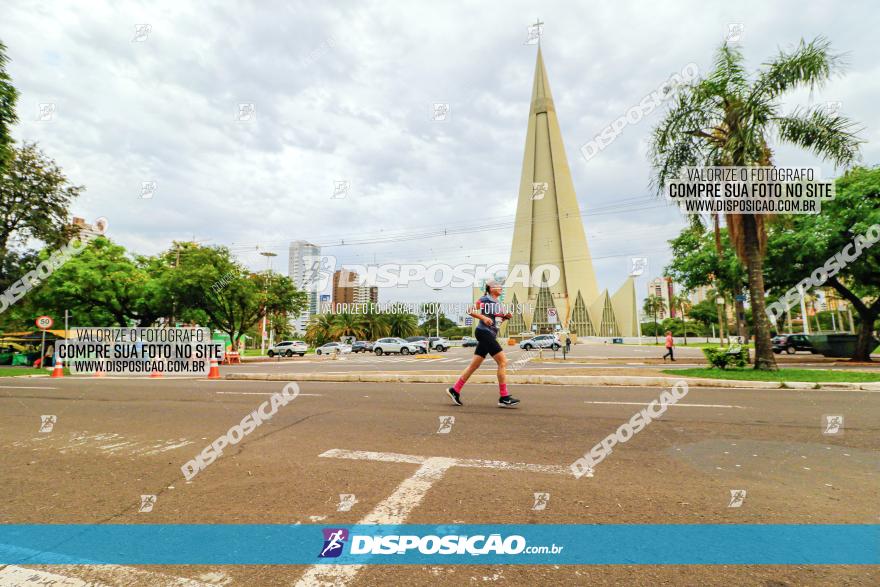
x=319 y=329
x=375 y=324
x=8 y=117
x=682 y=304
x=402 y=324
x=803 y=244
x=347 y=324
x=698 y=261
x=207 y=280
x=705 y=313
x=727 y=118
x=652 y=306
x=34 y=201
x=279 y=323
x=101 y=286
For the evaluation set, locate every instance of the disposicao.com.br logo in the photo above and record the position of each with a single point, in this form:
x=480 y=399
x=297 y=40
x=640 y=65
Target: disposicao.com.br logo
x=449 y=544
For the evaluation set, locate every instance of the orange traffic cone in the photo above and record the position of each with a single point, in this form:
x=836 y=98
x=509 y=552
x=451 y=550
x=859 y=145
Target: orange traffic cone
x=214 y=373
x=58 y=371
x=156 y=374
x=99 y=373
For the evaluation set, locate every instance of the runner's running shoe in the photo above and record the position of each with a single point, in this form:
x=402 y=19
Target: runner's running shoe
x=507 y=401
x=456 y=397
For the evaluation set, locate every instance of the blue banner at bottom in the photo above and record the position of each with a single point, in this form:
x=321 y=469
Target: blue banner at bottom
x=476 y=544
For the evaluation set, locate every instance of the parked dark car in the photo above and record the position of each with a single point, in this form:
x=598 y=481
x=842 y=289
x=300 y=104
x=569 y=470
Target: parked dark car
x=362 y=346
x=792 y=343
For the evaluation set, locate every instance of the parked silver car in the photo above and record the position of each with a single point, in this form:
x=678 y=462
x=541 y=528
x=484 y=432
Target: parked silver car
x=333 y=347
x=543 y=341
x=288 y=348
x=395 y=345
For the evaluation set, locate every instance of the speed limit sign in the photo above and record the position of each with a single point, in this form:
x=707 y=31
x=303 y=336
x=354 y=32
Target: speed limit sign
x=44 y=322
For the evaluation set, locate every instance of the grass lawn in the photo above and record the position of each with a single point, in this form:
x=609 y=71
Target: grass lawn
x=808 y=375
x=15 y=371
x=692 y=344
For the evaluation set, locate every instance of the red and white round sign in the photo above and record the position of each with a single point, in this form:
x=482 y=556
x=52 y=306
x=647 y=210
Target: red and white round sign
x=44 y=322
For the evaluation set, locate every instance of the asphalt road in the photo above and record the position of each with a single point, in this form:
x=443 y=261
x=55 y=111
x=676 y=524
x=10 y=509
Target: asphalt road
x=115 y=440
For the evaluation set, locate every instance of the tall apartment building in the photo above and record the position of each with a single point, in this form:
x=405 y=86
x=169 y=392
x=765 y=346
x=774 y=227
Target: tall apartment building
x=347 y=290
x=301 y=269
x=662 y=287
x=700 y=294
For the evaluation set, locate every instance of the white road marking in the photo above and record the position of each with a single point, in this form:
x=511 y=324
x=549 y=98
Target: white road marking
x=25 y=387
x=679 y=405
x=396 y=508
x=110 y=444
x=16 y=576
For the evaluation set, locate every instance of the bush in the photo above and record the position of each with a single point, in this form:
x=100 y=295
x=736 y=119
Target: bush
x=732 y=356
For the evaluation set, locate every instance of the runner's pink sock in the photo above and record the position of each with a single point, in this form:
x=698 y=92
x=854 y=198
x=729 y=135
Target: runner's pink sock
x=458 y=385
x=503 y=389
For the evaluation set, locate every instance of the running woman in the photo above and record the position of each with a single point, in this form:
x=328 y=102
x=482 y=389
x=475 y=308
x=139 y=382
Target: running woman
x=488 y=312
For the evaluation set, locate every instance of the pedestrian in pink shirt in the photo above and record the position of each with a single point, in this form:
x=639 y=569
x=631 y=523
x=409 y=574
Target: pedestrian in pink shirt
x=669 y=345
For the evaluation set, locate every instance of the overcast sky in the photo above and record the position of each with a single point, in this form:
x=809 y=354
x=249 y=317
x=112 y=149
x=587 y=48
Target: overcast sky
x=345 y=91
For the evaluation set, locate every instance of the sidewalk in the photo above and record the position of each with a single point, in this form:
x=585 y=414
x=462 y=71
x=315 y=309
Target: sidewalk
x=535 y=379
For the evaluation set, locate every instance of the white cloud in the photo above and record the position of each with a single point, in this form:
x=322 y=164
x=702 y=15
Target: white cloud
x=344 y=92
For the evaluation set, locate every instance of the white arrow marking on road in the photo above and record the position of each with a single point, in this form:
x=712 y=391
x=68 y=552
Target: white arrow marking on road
x=396 y=508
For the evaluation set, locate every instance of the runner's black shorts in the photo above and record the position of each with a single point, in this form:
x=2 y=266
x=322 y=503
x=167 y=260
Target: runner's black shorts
x=487 y=344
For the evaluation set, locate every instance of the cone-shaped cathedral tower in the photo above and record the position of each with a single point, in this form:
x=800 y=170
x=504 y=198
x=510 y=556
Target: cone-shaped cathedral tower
x=549 y=240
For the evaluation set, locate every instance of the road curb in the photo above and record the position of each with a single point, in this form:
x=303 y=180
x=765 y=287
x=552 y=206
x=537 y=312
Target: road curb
x=607 y=380
x=800 y=385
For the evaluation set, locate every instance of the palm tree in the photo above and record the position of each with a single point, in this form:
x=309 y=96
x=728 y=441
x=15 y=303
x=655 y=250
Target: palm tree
x=402 y=324
x=727 y=118
x=375 y=326
x=347 y=324
x=319 y=329
x=683 y=304
x=652 y=305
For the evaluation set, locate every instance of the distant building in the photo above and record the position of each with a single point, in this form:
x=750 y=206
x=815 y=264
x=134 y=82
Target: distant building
x=344 y=285
x=663 y=287
x=699 y=294
x=348 y=290
x=301 y=268
x=83 y=228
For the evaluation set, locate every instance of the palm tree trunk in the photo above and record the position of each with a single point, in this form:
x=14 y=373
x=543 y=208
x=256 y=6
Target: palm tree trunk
x=684 y=321
x=739 y=308
x=764 y=359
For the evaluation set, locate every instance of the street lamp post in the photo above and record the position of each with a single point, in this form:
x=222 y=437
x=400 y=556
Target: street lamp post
x=268 y=255
x=437 y=314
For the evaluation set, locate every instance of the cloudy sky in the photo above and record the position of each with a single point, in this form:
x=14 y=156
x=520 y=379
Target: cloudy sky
x=345 y=91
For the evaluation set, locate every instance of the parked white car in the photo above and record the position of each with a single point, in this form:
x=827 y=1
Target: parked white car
x=288 y=348
x=395 y=345
x=543 y=341
x=333 y=347
x=439 y=344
